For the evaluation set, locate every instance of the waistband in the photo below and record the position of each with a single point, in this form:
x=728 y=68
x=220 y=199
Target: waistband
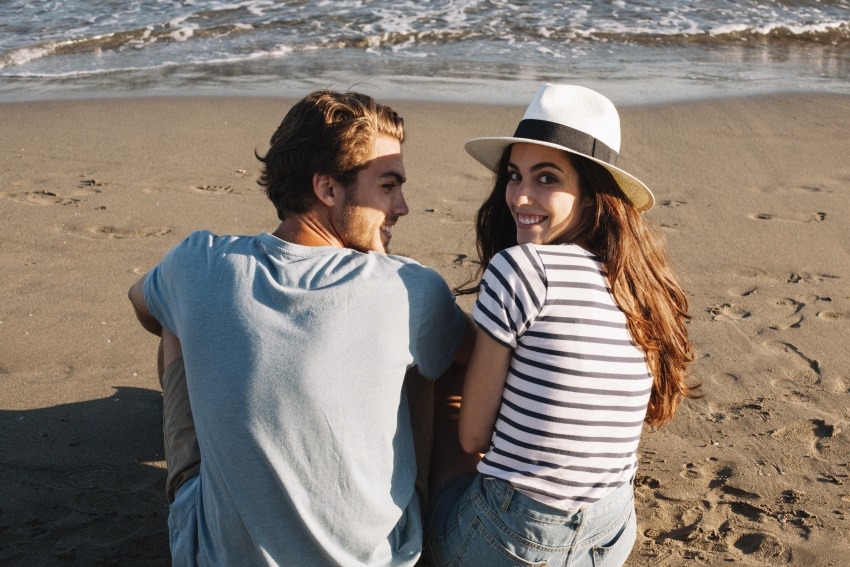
x=509 y=496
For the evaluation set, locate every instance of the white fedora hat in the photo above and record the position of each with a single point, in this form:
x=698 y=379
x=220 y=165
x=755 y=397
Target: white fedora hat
x=574 y=119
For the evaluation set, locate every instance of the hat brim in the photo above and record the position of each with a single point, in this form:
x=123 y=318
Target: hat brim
x=488 y=152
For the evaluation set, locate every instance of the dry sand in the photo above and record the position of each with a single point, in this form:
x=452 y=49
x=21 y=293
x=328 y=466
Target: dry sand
x=753 y=198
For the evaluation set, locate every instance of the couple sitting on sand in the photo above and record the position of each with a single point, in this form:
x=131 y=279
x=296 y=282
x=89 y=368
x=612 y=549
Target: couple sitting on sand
x=297 y=349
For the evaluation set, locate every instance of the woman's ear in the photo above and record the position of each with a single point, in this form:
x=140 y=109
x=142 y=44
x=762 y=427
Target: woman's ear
x=324 y=186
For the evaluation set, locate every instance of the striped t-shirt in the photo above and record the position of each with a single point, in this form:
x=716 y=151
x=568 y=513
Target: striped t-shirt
x=577 y=389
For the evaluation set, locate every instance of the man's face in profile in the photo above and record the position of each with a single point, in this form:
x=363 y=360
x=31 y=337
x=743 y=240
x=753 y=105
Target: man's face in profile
x=373 y=203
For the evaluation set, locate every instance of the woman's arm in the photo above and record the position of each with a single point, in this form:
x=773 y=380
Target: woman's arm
x=482 y=392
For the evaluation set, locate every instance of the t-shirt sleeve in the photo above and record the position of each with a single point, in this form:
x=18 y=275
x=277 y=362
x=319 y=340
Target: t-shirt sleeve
x=513 y=290
x=166 y=282
x=441 y=325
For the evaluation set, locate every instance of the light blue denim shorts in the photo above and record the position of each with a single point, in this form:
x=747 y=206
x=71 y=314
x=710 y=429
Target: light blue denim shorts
x=483 y=521
x=183 y=523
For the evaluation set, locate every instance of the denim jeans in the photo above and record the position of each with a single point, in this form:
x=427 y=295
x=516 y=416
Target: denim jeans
x=482 y=521
x=183 y=523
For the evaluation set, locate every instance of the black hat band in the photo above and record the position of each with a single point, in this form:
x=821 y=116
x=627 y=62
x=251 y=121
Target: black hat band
x=575 y=140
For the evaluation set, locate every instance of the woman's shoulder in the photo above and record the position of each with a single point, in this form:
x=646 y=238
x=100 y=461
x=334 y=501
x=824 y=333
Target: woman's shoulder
x=517 y=256
x=523 y=256
x=552 y=253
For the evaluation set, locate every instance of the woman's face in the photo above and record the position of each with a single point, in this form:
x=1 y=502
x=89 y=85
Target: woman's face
x=543 y=195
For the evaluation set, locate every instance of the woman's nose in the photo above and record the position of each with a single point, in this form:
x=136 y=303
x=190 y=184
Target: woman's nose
x=521 y=195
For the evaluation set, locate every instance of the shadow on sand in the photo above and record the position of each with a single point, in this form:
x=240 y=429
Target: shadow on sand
x=83 y=483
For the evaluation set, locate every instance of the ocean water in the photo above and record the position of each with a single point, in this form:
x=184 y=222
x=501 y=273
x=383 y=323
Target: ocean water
x=444 y=50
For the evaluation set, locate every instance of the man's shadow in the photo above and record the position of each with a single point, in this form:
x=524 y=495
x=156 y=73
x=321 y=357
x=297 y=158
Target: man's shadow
x=84 y=483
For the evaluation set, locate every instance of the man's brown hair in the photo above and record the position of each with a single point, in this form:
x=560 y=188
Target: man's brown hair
x=326 y=132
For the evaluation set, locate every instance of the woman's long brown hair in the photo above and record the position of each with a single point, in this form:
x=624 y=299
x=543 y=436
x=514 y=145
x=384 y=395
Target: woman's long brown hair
x=641 y=282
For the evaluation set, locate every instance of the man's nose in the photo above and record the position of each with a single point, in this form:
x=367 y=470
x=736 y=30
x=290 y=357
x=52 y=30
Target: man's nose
x=400 y=205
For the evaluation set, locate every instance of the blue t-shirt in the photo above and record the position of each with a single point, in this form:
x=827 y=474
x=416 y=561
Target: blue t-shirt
x=295 y=361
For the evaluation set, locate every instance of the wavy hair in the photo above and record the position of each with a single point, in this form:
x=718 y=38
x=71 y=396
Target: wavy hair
x=326 y=132
x=641 y=281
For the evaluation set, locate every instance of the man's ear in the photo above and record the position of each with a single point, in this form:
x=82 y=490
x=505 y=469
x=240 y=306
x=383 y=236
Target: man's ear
x=324 y=186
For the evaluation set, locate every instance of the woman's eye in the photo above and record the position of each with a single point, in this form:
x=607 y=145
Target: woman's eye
x=547 y=179
x=514 y=176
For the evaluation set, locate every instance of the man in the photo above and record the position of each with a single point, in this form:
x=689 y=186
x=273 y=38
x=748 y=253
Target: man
x=296 y=345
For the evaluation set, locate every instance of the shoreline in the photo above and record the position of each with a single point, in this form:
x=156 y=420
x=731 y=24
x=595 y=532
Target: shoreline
x=652 y=91
x=752 y=199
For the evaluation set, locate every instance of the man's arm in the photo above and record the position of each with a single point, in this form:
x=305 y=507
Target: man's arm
x=464 y=351
x=143 y=314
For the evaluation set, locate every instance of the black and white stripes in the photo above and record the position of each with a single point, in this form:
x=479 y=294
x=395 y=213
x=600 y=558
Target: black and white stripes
x=577 y=390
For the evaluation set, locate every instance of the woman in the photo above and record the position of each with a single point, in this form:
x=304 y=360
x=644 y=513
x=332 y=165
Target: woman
x=581 y=340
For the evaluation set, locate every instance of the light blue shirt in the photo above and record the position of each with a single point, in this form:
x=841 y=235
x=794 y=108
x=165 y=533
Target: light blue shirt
x=295 y=361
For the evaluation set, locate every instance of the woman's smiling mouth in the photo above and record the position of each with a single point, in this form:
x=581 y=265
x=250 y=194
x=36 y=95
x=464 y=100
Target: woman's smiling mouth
x=529 y=219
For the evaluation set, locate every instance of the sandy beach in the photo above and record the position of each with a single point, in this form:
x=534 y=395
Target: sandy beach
x=753 y=197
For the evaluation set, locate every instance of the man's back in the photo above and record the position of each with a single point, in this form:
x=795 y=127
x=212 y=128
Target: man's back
x=296 y=357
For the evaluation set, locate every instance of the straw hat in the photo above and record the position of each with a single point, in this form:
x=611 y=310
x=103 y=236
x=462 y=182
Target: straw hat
x=574 y=119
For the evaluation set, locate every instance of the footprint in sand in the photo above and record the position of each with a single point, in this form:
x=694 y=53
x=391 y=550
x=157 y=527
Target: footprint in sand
x=808 y=278
x=763 y=547
x=749 y=272
x=758 y=406
x=40 y=198
x=820 y=436
x=727 y=312
x=744 y=506
x=653 y=483
x=833 y=315
x=801 y=217
x=691 y=471
x=734 y=492
x=788 y=309
x=114 y=232
x=801 y=369
x=672 y=203
x=215 y=189
x=45 y=197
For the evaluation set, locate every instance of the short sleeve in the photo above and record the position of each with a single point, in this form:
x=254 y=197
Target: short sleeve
x=441 y=323
x=170 y=278
x=513 y=290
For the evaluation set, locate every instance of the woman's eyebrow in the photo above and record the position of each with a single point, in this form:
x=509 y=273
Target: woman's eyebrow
x=541 y=165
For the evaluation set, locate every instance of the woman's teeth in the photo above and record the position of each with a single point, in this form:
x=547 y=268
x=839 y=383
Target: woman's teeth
x=529 y=219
